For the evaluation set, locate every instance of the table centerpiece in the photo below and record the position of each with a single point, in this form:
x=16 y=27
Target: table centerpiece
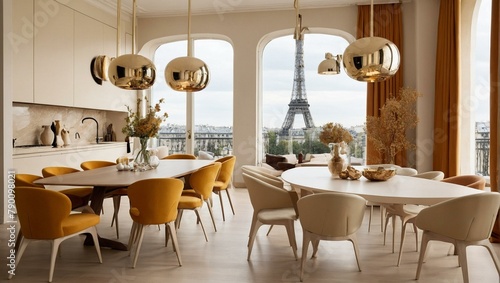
x=336 y=137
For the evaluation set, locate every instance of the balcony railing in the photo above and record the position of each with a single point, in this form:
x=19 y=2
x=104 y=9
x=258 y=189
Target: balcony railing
x=483 y=156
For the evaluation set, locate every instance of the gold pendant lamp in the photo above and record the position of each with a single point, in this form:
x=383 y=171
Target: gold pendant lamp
x=131 y=71
x=187 y=73
x=371 y=59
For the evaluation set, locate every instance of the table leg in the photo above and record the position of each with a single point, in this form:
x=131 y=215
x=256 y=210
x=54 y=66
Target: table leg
x=96 y=201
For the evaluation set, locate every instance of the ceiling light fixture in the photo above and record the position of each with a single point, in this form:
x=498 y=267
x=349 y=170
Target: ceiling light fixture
x=331 y=65
x=371 y=59
x=187 y=73
x=131 y=71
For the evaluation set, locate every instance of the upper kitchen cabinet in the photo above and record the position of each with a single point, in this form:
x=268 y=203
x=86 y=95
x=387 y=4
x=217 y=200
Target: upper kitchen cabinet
x=21 y=40
x=53 y=53
x=94 y=38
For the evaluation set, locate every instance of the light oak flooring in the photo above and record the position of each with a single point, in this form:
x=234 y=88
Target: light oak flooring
x=223 y=258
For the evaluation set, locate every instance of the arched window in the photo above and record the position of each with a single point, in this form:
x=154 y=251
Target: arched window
x=209 y=110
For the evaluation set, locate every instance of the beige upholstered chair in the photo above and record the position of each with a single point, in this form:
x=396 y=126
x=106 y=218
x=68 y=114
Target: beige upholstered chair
x=330 y=217
x=462 y=221
x=154 y=202
x=224 y=180
x=431 y=175
x=46 y=215
x=271 y=206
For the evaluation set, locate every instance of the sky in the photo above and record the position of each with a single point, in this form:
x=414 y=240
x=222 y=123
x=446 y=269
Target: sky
x=332 y=98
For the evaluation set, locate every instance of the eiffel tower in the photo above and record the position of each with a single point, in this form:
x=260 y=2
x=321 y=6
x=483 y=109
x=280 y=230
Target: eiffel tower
x=298 y=103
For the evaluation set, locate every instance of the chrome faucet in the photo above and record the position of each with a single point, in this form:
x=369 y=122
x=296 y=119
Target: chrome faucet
x=97 y=132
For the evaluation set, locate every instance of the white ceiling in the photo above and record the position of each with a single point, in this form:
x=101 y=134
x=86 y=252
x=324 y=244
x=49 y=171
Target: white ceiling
x=155 y=8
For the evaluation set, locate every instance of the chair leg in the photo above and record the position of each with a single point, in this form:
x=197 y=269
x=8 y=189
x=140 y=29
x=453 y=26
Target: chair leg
x=291 y=238
x=19 y=253
x=170 y=226
x=370 y=218
x=221 y=206
x=53 y=255
x=305 y=245
x=230 y=201
x=253 y=232
x=211 y=214
x=354 y=241
x=133 y=237
x=93 y=232
x=423 y=249
x=201 y=223
x=489 y=247
x=140 y=229
x=403 y=234
x=269 y=231
x=462 y=259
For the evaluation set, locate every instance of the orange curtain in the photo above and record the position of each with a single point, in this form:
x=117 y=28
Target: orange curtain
x=446 y=103
x=494 y=105
x=387 y=23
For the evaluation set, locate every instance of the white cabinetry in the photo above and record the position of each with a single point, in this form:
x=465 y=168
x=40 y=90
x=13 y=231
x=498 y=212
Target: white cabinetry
x=54 y=49
x=21 y=40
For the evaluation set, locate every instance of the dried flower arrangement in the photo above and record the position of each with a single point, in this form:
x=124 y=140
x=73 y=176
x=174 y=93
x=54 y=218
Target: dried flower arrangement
x=334 y=133
x=144 y=127
x=387 y=133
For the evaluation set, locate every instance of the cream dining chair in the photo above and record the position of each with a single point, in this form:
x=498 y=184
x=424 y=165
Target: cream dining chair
x=330 y=217
x=271 y=206
x=463 y=221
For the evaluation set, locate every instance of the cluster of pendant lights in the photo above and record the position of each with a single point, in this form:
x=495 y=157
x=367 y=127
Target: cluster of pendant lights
x=136 y=72
x=368 y=59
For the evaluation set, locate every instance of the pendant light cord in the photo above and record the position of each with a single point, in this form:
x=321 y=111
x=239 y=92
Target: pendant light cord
x=133 y=26
x=118 y=26
x=189 y=29
x=371 y=19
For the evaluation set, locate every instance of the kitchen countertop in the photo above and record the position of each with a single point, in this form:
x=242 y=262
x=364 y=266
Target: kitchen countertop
x=47 y=150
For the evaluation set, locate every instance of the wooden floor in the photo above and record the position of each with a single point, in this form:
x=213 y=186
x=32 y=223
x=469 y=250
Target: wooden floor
x=223 y=258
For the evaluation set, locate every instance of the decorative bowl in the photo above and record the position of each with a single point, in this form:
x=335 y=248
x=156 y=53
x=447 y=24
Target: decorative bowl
x=378 y=174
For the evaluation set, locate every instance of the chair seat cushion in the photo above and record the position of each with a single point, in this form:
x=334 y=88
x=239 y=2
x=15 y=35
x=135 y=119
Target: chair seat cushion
x=271 y=215
x=219 y=185
x=189 y=202
x=78 y=222
x=78 y=192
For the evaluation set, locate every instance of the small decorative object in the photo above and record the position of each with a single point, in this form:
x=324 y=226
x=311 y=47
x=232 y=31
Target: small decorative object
x=154 y=161
x=144 y=128
x=387 y=133
x=65 y=137
x=46 y=137
x=53 y=129
x=336 y=136
x=120 y=167
x=379 y=174
x=351 y=173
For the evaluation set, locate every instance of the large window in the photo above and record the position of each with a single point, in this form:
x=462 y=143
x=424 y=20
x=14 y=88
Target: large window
x=480 y=101
x=212 y=107
x=332 y=98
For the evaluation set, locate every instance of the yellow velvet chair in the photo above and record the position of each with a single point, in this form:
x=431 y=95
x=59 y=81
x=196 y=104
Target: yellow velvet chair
x=224 y=180
x=202 y=181
x=46 y=215
x=471 y=181
x=180 y=156
x=79 y=196
x=154 y=202
x=116 y=195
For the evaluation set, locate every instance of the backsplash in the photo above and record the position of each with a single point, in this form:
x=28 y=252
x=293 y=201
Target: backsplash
x=28 y=120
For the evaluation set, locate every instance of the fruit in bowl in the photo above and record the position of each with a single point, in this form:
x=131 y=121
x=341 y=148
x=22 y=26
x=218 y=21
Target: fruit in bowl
x=378 y=174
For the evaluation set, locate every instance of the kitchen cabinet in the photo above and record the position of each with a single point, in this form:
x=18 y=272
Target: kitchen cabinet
x=53 y=53
x=21 y=41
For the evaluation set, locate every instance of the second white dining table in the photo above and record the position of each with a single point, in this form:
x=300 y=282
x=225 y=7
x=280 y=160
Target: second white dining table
x=397 y=190
x=106 y=179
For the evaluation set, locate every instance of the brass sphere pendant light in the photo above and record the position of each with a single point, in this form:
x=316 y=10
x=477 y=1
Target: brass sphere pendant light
x=331 y=65
x=131 y=71
x=187 y=73
x=371 y=59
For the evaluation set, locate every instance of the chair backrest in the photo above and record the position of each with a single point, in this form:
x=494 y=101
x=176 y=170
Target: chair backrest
x=41 y=212
x=406 y=171
x=226 y=170
x=57 y=170
x=202 y=180
x=180 y=156
x=26 y=180
x=261 y=175
x=266 y=196
x=468 y=218
x=154 y=201
x=472 y=181
x=384 y=166
x=93 y=164
x=331 y=214
x=431 y=175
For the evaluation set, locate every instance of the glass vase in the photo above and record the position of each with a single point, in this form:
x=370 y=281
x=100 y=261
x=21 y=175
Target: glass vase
x=337 y=163
x=141 y=161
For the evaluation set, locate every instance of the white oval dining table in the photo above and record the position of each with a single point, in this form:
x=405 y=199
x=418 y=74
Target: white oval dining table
x=397 y=190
